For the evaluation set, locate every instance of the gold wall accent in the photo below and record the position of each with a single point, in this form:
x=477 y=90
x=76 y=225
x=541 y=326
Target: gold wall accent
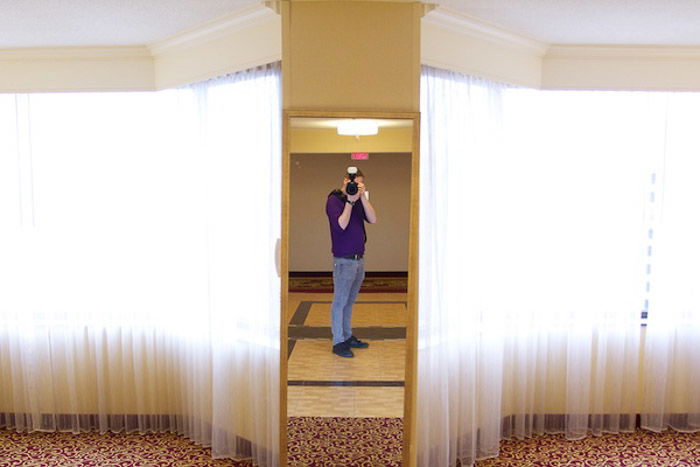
x=351 y=55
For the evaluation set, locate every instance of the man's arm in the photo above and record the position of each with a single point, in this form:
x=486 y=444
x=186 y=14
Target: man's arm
x=370 y=214
x=369 y=210
x=344 y=218
x=339 y=211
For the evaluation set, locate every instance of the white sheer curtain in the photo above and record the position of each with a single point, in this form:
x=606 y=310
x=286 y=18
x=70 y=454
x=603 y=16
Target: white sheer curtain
x=534 y=259
x=672 y=340
x=138 y=288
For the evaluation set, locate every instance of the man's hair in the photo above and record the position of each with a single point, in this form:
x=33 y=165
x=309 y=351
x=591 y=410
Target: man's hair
x=357 y=174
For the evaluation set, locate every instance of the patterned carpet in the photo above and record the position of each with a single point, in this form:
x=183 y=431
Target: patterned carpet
x=104 y=449
x=343 y=442
x=324 y=284
x=640 y=448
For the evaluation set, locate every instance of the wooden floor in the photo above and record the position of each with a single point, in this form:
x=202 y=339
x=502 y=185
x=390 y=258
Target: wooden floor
x=321 y=384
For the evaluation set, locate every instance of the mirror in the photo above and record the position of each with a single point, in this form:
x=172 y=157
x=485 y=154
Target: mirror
x=329 y=380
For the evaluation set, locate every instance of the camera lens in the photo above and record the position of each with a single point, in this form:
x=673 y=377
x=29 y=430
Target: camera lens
x=351 y=188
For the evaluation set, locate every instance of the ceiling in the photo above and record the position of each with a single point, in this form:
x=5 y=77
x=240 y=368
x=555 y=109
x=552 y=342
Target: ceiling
x=61 y=23
x=87 y=23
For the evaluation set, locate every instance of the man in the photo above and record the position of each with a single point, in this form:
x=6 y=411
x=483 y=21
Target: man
x=346 y=216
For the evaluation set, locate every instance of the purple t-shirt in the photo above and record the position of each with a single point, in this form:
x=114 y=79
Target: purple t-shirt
x=350 y=241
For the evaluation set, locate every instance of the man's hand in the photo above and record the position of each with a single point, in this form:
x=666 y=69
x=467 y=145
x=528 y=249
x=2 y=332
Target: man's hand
x=356 y=196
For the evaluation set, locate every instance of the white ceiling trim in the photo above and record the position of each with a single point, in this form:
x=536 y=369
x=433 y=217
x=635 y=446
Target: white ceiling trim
x=241 y=19
x=461 y=23
x=618 y=52
x=75 y=53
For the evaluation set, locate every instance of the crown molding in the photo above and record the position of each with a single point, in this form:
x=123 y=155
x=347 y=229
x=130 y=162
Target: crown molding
x=241 y=19
x=75 y=53
x=622 y=52
x=461 y=23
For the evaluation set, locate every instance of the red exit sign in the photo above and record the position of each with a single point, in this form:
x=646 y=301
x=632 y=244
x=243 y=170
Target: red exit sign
x=359 y=156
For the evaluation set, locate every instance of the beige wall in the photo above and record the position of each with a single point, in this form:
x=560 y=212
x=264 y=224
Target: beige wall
x=622 y=68
x=76 y=69
x=314 y=176
x=351 y=55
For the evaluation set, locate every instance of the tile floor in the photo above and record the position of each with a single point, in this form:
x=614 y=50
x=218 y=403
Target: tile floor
x=321 y=384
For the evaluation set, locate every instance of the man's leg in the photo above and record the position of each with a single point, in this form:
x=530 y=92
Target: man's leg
x=343 y=281
x=354 y=289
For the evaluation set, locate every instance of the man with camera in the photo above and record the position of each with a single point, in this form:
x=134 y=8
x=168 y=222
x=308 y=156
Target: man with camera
x=348 y=209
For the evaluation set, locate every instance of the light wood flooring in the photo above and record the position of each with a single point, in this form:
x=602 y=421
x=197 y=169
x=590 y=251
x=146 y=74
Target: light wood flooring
x=322 y=384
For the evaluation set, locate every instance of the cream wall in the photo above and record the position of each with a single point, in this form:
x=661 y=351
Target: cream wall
x=622 y=68
x=314 y=176
x=76 y=69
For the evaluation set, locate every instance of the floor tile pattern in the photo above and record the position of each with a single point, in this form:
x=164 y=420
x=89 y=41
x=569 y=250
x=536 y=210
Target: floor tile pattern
x=312 y=359
x=339 y=401
x=363 y=314
x=371 y=384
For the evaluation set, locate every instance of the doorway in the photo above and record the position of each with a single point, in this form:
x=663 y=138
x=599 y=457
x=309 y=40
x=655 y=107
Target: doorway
x=377 y=382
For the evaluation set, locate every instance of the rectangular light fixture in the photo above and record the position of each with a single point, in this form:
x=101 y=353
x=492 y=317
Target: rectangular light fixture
x=357 y=127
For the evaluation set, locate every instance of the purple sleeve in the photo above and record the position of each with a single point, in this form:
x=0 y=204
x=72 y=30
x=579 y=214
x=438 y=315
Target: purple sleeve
x=334 y=208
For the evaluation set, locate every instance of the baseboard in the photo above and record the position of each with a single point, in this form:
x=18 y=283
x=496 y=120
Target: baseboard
x=322 y=282
x=330 y=274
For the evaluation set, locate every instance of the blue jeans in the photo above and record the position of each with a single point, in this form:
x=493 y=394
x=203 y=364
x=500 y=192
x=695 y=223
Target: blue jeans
x=348 y=275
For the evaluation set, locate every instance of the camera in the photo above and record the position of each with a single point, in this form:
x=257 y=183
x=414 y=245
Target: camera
x=351 y=188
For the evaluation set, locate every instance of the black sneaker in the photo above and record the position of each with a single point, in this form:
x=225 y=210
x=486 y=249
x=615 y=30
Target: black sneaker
x=343 y=350
x=356 y=343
